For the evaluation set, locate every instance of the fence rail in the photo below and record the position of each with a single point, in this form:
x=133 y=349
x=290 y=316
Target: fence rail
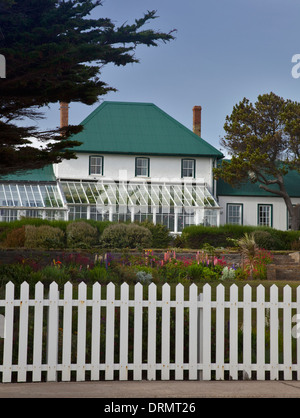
x=87 y=333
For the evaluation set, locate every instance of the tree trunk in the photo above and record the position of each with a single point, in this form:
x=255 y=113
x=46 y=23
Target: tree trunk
x=295 y=218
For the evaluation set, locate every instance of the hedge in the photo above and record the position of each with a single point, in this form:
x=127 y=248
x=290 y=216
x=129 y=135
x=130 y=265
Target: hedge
x=195 y=236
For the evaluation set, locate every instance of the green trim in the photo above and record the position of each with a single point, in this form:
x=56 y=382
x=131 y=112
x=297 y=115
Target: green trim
x=271 y=214
x=194 y=171
x=102 y=163
x=148 y=166
x=242 y=212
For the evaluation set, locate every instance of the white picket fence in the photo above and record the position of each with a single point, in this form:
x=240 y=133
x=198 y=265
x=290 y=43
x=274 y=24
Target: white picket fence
x=59 y=336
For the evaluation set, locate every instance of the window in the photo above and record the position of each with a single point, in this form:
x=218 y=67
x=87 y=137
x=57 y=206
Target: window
x=187 y=168
x=265 y=215
x=234 y=214
x=142 y=166
x=96 y=164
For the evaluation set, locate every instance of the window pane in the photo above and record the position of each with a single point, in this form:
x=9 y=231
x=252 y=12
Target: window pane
x=95 y=165
x=264 y=215
x=234 y=214
x=142 y=167
x=188 y=168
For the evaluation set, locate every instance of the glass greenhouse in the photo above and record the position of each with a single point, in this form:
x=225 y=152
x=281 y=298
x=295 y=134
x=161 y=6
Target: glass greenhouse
x=31 y=200
x=174 y=205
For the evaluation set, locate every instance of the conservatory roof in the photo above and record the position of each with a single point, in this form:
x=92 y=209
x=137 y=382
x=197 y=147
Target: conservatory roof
x=25 y=195
x=132 y=194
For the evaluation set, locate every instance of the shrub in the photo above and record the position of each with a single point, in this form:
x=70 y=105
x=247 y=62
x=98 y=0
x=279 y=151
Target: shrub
x=295 y=245
x=81 y=235
x=195 y=271
x=268 y=241
x=43 y=236
x=15 y=238
x=161 y=237
x=196 y=236
x=126 y=236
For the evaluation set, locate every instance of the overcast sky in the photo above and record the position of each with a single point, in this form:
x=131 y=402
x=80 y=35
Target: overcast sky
x=224 y=50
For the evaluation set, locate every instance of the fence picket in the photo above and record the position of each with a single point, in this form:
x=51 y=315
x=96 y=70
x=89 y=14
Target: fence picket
x=67 y=332
x=52 y=343
x=138 y=332
x=38 y=332
x=233 y=333
x=274 y=332
x=297 y=332
x=23 y=333
x=9 y=331
x=110 y=332
x=260 y=336
x=179 y=332
x=206 y=333
x=287 y=335
x=165 y=332
x=81 y=333
x=151 y=332
x=220 y=333
x=52 y=340
x=124 y=316
x=193 y=332
x=96 y=328
x=247 y=330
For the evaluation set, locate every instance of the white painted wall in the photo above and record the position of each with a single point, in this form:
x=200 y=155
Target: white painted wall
x=250 y=207
x=116 y=166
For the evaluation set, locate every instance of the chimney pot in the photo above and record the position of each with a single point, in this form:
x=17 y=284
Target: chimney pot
x=64 y=114
x=197 y=120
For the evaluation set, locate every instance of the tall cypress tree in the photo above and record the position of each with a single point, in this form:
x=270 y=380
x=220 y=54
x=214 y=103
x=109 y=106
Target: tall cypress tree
x=54 y=52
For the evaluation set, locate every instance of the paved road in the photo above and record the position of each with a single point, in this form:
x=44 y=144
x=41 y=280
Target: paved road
x=157 y=389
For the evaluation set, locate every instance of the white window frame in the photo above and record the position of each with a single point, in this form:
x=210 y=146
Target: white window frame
x=96 y=165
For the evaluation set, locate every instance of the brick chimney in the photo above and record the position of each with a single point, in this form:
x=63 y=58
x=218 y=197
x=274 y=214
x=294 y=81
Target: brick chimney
x=197 y=120
x=64 y=114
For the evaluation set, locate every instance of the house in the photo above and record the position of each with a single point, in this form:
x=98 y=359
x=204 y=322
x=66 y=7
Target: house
x=249 y=204
x=135 y=163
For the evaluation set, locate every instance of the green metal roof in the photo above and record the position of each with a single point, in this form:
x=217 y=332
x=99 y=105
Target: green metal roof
x=139 y=128
x=291 y=180
x=44 y=174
